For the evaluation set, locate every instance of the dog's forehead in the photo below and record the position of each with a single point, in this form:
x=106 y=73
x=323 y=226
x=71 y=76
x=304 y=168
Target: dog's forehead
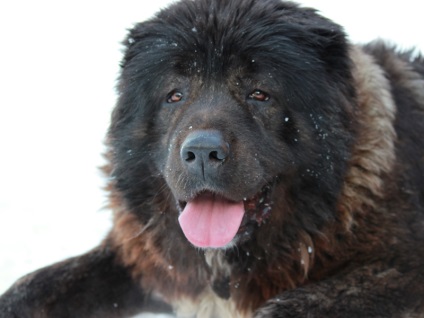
x=210 y=37
x=209 y=24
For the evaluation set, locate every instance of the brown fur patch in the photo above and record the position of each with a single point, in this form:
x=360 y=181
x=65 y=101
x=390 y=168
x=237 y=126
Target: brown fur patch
x=140 y=248
x=373 y=154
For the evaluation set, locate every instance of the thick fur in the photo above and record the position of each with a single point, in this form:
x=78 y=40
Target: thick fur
x=337 y=143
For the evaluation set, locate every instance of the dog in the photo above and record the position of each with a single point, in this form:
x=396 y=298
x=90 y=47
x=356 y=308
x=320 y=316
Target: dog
x=259 y=165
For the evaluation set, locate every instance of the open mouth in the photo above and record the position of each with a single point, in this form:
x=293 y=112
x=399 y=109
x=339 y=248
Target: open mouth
x=212 y=221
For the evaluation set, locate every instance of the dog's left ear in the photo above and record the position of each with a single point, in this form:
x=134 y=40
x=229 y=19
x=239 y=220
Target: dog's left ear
x=329 y=40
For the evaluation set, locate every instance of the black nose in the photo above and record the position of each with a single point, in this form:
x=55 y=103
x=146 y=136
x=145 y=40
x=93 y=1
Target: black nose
x=204 y=150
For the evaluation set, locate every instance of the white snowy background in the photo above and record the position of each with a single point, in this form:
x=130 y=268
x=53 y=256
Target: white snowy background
x=58 y=68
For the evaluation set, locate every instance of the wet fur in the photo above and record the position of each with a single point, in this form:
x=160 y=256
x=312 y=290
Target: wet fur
x=345 y=234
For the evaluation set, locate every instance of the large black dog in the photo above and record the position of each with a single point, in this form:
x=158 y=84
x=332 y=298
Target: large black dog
x=260 y=166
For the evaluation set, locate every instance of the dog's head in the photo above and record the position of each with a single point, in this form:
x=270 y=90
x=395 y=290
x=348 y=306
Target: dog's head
x=224 y=107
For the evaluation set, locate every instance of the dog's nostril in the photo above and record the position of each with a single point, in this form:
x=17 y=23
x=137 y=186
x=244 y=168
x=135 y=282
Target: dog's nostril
x=190 y=156
x=218 y=155
x=214 y=155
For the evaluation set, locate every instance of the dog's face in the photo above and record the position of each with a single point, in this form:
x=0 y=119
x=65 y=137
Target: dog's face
x=219 y=110
x=221 y=153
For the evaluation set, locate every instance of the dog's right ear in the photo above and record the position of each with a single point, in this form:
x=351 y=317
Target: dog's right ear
x=131 y=44
x=145 y=48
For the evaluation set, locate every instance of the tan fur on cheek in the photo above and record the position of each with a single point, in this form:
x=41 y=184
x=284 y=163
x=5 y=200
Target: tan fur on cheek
x=374 y=150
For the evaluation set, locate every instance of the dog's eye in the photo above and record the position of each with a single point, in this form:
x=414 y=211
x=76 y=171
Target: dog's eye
x=259 y=95
x=174 y=97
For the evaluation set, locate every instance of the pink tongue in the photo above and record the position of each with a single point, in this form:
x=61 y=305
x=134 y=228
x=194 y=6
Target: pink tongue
x=211 y=221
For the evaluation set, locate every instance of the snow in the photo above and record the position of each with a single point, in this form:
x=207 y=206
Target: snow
x=58 y=66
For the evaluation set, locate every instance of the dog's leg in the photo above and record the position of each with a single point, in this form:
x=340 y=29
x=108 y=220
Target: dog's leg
x=91 y=285
x=367 y=292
